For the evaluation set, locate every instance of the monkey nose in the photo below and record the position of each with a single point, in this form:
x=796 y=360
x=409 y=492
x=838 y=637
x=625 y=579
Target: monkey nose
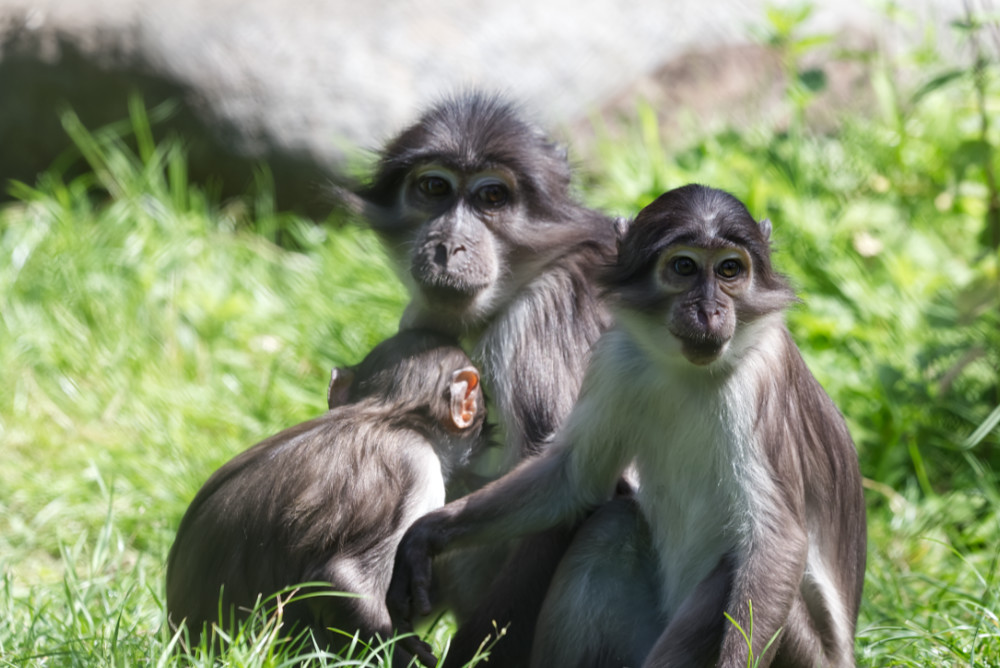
x=710 y=316
x=442 y=253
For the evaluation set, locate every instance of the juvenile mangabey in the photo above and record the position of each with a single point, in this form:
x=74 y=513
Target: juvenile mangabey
x=749 y=480
x=473 y=204
x=328 y=500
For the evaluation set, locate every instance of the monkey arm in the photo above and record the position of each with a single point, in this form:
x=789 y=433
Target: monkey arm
x=572 y=475
x=534 y=496
x=537 y=493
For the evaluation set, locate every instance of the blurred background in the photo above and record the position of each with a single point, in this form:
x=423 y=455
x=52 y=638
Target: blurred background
x=303 y=86
x=174 y=285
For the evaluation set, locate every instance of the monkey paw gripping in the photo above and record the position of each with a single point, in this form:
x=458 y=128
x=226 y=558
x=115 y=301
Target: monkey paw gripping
x=408 y=596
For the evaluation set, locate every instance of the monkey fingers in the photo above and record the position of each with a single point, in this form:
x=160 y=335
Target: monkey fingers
x=408 y=595
x=420 y=649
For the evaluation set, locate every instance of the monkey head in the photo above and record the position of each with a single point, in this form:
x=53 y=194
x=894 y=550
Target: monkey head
x=471 y=201
x=694 y=271
x=417 y=372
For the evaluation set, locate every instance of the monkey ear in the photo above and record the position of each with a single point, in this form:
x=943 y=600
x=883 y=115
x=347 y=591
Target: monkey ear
x=345 y=199
x=341 y=379
x=621 y=227
x=464 y=398
x=765 y=228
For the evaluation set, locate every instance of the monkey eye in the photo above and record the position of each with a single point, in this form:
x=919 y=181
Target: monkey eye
x=684 y=266
x=492 y=195
x=729 y=268
x=434 y=186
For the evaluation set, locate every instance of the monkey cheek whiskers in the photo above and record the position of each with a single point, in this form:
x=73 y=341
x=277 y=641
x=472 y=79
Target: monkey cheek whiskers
x=453 y=283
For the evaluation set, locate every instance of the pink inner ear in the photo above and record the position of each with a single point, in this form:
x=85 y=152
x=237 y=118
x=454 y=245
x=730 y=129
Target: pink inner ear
x=472 y=379
x=463 y=397
x=469 y=376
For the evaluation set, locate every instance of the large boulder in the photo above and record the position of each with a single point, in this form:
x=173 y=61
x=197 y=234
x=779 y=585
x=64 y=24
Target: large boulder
x=302 y=85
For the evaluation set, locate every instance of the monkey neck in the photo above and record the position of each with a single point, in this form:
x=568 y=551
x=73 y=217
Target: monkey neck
x=534 y=353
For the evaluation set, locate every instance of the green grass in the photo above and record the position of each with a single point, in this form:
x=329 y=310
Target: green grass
x=149 y=332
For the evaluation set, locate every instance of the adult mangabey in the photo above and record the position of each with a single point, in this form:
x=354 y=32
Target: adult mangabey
x=328 y=500
x=473 y=204
x=749 y=480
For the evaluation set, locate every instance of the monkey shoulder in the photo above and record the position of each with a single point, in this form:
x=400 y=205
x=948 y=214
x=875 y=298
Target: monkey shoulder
x=797 y=415
x=561 y=303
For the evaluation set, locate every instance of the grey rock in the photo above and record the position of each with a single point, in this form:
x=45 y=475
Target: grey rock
x=306 y=86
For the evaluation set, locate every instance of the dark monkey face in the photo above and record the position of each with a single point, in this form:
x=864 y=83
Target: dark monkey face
x=695 y=268
x=703 y=285
x=471 y=200
x=456 y=253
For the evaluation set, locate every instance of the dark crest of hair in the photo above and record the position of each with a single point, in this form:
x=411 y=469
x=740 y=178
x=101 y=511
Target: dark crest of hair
x=674 y=217
x=475 y=131
x=389 y=371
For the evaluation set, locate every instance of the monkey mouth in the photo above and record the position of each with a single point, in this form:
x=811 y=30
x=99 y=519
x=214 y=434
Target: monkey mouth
x=702 y=354
x=449 y=310
x=701 y=350
x=441 y=283
x=446 y=290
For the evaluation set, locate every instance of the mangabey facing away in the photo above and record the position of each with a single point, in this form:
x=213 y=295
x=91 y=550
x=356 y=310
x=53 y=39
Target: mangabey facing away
x=749 y=480
x=473 y=204
x=328 y=500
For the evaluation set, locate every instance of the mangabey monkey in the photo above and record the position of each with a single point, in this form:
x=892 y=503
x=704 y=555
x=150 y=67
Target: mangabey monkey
x=473 y=204
x=328 y=500
x=748 y=478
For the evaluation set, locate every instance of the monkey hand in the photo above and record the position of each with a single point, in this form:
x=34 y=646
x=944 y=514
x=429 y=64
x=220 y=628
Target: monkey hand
x=408 y=595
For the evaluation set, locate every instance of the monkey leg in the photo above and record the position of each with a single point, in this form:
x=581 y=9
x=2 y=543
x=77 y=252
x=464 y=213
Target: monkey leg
x=798 y=642
x=602 y=609
x=812 y=636
x=694 y=635
x=512 y=603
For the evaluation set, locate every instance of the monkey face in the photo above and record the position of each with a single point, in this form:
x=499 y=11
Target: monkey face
x=703 y=286
x=456 y=254
x=695 y=264
x=473 y=202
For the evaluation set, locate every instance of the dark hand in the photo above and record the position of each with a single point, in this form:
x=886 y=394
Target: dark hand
x=408 y=596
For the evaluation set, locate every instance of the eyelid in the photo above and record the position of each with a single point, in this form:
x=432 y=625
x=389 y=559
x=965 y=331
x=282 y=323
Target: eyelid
x=738 y=261
x=480 y=180
x=681 y=252
x=665 y=272
x=435 y=172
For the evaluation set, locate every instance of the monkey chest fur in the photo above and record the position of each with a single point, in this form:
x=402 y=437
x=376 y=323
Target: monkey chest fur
x=692 y=443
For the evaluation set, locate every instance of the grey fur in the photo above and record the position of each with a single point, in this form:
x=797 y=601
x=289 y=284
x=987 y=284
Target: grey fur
x=327 y=500
x=748 y=479
x=517 y=281
x=514 y=275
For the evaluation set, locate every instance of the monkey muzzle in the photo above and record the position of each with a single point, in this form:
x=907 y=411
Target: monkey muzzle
x=452 y=278
x=704 y=331
x=703 y=353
